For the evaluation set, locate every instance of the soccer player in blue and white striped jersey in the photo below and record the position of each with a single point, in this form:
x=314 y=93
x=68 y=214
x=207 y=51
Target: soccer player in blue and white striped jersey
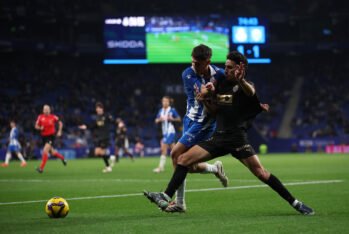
x=14 y=147
x=198 y=125
x=167 y=115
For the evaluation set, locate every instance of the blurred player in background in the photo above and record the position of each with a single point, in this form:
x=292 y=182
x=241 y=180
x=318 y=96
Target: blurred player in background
x=101 y=132
x=121 y=140
x=46 y=124
x=167 y=115
x=139 y=147
x=14 y=147
x=198 y=124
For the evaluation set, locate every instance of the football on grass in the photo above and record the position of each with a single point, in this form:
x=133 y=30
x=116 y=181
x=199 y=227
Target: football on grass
x=57 y=207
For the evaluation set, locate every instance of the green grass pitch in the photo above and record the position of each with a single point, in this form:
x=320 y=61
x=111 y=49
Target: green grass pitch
x=238 y=209
x=177 y=47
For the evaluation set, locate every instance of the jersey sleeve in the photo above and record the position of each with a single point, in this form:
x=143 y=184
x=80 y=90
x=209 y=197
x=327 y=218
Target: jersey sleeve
x=174 y=113
x=219 y=77
x=189 y=84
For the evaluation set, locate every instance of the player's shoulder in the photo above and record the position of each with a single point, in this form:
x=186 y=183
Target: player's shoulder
x=188 y=73
x=219 y=71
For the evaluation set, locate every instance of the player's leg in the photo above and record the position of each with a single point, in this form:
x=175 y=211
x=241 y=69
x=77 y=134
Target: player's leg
x=179 y=203
x=164 y=149
x=56 y=154
x=255 y=166
x=20 y=157
x=7 y=158
x=45 y=152
x=116 y=151
x=102 y=152
x=125 y=149
x=195 y=155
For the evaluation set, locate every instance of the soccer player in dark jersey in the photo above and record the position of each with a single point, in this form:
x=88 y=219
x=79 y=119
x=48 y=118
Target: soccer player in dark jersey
x=121 y=139
x=235 y=105
x=46 y=124
x=101 y=132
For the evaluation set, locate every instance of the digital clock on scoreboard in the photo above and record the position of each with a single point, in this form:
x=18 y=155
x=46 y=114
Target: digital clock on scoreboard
x=248 y=37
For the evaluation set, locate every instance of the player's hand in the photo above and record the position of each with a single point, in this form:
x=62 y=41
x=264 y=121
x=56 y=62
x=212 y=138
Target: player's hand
x=265 y=107
x=240 y=72
x=210 y=87
x=59 y=133
x=199 y=97
x=82 y=127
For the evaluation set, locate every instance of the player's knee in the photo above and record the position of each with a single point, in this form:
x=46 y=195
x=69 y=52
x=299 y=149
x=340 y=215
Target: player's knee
x=262 y=174
x=183 y=160
x=174 y=154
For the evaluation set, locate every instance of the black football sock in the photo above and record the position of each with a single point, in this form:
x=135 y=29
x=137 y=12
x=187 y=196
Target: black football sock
x=129 y=155
x=177 y=179
x=278 y=187
x=106 y=160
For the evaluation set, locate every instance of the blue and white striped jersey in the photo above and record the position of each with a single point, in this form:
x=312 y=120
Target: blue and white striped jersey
x=192 y=83
x=14 y=137
x=167 y=126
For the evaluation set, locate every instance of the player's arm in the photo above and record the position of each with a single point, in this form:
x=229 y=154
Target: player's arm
x=207 y=96
x=210 y=106
x=158 y=118
x=175 y=116
x=38 y=126
x=60 y=128
x=240 y=74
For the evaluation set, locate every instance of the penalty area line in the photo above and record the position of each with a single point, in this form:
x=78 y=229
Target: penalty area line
x=189 y=191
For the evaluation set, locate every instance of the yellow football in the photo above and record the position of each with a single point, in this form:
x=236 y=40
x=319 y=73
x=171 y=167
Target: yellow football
x=57 y=207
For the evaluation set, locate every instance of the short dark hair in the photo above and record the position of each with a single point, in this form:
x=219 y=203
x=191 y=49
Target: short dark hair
x=100 y=105
x=201 y=52
x=238 y=58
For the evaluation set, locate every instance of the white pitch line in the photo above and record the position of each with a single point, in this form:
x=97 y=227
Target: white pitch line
x=111 y=180
x=190 y=190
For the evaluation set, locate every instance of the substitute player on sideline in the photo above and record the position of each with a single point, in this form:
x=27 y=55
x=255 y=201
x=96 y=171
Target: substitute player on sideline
x=14 y=147
x=236 y=105
x=45 y=123
x=167 y=115
x=101 y=131
x=198 y=125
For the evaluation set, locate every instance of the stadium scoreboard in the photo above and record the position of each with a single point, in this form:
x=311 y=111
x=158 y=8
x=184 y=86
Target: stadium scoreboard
x=170 y=39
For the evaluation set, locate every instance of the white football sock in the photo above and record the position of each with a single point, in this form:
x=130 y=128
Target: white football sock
x=20 y=156
x=295 y=202
x=8 y=157
x=210 y=168
x=181 y=194
x=162 y=162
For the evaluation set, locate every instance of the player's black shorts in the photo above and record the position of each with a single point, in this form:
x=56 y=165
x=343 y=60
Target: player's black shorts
x=48 y=139
x=102 y=143
x=234 y=143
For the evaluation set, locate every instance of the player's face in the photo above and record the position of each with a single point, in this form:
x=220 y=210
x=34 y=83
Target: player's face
x=46 y=110
x=230 y=67
x=165 y=102
x=12 y=124
x=99 y=110
x=200 y=66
